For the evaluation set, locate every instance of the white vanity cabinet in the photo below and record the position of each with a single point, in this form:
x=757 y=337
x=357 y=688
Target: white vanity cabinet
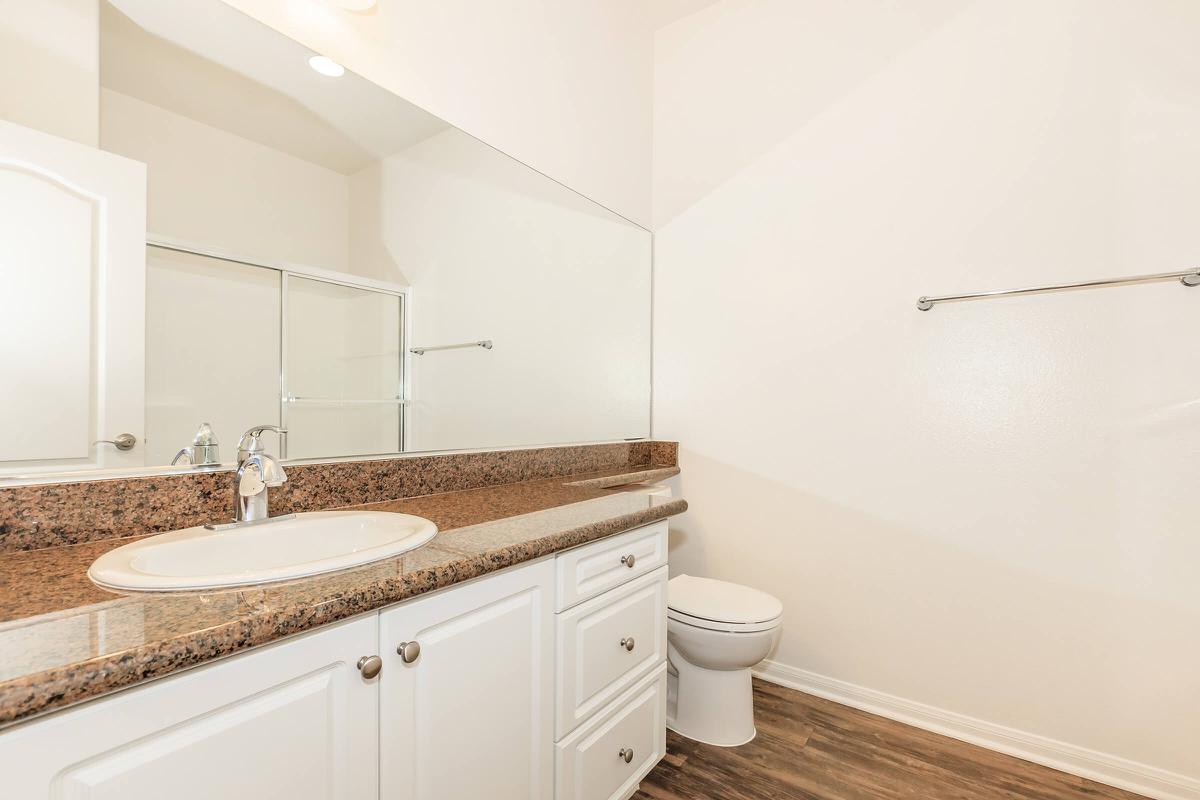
x=294 y=720
x=611 y=664
x=496 y=688
x=467 y=691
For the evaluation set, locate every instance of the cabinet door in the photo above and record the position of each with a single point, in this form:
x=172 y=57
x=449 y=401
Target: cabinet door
x=592 y=761
x=607 y=644
x=295 y=720
x=472 y=715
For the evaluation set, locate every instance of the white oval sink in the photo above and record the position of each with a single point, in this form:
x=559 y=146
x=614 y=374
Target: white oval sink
x=293 y=547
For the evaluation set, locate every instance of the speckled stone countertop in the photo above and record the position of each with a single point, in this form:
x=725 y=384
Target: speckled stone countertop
x=64 y=640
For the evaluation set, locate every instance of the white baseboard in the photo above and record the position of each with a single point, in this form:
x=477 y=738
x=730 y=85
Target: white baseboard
x=1101 y=767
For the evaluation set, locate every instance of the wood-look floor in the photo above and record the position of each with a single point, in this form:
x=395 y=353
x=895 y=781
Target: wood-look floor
x=811 y=749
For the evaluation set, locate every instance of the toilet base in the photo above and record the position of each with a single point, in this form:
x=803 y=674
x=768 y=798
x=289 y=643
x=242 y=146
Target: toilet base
x=671 y=727
x=711 y=706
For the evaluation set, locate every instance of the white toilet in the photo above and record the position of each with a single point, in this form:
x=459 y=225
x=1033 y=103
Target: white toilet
x=716 y=631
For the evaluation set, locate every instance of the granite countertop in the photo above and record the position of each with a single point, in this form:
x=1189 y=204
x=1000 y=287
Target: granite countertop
x=64 y=640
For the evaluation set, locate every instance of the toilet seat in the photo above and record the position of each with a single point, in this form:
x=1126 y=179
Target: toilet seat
x=721 y=606
x=724 y=627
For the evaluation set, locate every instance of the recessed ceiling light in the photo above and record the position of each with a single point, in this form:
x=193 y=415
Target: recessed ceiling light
x=327 y=66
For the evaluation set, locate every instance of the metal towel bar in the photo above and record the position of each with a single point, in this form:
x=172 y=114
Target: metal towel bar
x=1188 y=277
x=342 y=401
x=486 y=344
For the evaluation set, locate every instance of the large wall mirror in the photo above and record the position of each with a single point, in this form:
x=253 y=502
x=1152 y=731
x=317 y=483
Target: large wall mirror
x=315 y=253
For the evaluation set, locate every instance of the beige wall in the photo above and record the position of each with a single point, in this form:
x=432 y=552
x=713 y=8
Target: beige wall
x=220 y=191
x=986 y=508
x=564 y=87
x=495 y=251
x=49 y=66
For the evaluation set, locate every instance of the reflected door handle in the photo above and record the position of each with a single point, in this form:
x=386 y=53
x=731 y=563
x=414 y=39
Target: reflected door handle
x=124 y=441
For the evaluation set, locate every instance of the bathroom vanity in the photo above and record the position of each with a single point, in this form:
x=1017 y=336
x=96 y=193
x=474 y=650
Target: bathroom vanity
x=545 y=679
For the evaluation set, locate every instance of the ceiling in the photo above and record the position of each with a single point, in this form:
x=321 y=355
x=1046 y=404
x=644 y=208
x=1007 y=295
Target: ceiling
x=206 y=61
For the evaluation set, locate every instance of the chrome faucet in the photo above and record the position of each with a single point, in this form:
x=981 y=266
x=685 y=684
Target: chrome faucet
x=204 y=451
x=256 y=472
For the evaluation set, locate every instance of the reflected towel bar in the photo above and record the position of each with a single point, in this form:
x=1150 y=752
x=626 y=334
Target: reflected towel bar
x=1188 y=277
x=486 y=344
x=338 y=401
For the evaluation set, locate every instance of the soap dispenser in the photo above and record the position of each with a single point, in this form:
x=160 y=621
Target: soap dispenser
x=204 y=451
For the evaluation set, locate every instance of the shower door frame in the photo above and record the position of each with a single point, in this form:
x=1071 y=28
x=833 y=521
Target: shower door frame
x=286 y=269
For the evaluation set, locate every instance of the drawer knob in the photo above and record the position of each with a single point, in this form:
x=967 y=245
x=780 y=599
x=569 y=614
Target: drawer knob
x=629 y=560
x=370 y=666
x=628 y=643
x=626 y=754
x=409 y=651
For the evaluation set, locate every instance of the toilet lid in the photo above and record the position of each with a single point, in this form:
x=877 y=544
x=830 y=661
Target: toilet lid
x=719 y=601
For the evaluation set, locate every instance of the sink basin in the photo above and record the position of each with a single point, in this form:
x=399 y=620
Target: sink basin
x=277 y=550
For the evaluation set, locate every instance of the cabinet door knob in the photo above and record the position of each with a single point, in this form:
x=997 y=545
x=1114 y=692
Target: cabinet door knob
x=409 y=651
x=370 y=666
x=628 y=643
x=626 y=754
x=629 y=560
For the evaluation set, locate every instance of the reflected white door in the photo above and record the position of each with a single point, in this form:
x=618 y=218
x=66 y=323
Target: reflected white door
x=72 y=308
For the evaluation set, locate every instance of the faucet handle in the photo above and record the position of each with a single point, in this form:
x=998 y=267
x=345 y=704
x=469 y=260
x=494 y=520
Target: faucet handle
x=251 y=481
x=249 y=444
x=249 y=437
x=259 y=472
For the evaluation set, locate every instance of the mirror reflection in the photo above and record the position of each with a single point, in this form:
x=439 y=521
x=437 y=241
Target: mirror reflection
x=314 y=253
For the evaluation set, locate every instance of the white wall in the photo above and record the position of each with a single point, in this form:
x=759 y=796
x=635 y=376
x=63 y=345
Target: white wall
x=564 y=87
x=50 y=66
x=496 y=251
x=216 y=189
x=988 y=507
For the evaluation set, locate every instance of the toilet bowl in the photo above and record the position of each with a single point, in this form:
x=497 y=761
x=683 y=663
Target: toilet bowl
x=716 y=631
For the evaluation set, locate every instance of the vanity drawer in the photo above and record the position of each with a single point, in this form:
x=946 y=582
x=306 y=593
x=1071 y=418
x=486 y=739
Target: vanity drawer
x=590 y=764
x=595 y=568
x=607 y=644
